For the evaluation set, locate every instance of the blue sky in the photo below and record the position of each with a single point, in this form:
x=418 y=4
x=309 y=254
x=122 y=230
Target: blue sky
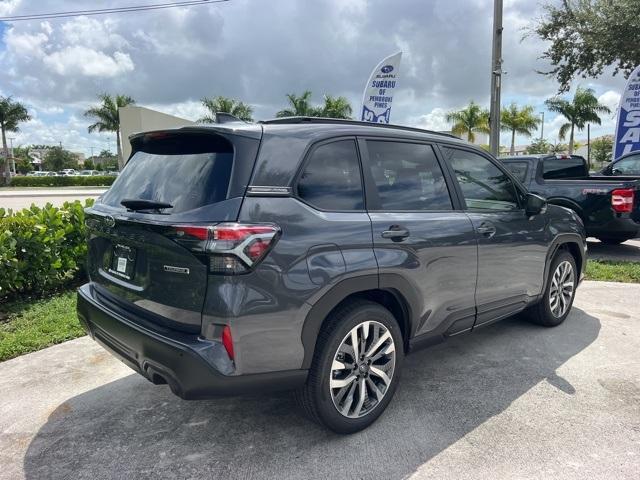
x=258 y=51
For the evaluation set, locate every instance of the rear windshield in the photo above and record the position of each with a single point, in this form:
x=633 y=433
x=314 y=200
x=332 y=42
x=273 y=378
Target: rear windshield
x=553 y=168
x=187 y=172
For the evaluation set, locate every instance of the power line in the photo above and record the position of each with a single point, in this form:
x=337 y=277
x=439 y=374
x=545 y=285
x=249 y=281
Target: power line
x=106 y=11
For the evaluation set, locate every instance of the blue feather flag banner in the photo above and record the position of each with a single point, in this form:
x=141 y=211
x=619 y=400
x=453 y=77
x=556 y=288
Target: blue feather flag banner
x=627 y=137
x=378 y=94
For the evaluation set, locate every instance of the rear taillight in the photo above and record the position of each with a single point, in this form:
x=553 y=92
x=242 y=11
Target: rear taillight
x=622 y=200
x=233 y=248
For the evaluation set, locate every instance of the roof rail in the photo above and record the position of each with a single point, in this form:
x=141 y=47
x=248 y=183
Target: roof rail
x=323 y=120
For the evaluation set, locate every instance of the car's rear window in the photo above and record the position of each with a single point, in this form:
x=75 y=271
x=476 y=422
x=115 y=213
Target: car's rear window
x=518 y=169
x=555 y=168
x=187 y=172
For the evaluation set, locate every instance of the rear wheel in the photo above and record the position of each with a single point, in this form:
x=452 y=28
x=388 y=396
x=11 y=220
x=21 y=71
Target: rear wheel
x=355 y=369
x=558 y=296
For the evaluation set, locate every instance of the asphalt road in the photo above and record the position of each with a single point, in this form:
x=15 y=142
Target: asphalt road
x=17 y=199
x=628 y=251
x=512 y=400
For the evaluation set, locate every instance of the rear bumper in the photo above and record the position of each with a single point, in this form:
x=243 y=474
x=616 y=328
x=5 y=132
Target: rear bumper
x=193 y=367
x=620 y=227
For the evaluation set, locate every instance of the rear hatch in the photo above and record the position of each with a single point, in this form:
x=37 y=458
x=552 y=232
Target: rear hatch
x=146 y=257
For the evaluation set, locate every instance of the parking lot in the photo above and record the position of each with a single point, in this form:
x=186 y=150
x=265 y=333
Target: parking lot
x=19 y=198
x=512 y=400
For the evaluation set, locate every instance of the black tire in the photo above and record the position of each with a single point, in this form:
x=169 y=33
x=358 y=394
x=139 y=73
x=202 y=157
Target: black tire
x=317 y=398
x=541 y=313
x=612 y=240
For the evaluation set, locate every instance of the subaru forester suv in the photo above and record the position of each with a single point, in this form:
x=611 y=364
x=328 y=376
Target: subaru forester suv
x=312 y=255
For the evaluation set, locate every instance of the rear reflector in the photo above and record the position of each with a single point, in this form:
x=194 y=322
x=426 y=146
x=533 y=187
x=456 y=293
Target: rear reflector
x=622 y=200
x=227 y=341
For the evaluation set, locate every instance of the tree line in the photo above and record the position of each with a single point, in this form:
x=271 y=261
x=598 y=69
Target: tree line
x=579 y=111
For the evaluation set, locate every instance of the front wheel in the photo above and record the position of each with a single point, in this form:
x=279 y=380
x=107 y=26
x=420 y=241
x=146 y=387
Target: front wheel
x=355 y=369
x=558 y=296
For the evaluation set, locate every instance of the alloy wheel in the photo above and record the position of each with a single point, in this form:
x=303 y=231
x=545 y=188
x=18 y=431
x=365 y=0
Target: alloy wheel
x=362 y=369
x=562 y=288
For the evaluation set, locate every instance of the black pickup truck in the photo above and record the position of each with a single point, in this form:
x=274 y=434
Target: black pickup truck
x=609 y=206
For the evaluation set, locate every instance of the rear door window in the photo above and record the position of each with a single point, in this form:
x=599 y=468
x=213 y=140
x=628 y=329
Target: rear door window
x=187 y=172
x=407 y=176
x=331 y=178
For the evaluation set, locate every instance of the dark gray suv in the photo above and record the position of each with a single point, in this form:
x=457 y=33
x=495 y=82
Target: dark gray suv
x=312 y=255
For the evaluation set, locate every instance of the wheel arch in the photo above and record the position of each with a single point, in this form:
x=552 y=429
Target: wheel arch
x=364 y=288
x=574 y=244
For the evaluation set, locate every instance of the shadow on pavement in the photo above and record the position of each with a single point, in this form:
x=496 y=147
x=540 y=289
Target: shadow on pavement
x=628 y=251
x=132 y=429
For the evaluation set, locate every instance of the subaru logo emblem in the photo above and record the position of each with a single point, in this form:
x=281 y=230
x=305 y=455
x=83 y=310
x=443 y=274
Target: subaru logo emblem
x=387 y=69
x=109 y=221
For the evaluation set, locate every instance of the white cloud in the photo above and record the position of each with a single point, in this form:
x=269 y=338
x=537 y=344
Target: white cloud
x=79 y=60
x=190 y=109
x=7 y=7
x=90 y=31
x=434 y=120
x=27 y=44
x=611 y=99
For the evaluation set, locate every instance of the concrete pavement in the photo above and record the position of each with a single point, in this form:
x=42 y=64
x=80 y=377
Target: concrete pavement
x=18 y=198
x=511 y=400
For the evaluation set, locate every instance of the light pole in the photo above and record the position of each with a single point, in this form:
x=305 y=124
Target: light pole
x=13 y=160
x=496 y=77
x=542 y=127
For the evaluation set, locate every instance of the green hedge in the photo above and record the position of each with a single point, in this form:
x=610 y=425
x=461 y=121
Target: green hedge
x=76 y=181
x=41 y=249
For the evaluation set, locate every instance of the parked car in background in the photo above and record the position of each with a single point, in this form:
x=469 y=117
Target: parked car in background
x=68 y=172
x=312 y=254
x=609 y=207
x=90 y=173
x=626 y=165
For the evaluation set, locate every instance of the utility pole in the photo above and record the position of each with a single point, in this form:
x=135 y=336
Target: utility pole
x=496 y=78
x=542 y=127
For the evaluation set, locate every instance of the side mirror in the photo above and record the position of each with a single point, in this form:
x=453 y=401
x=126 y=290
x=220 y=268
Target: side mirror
x=535 y=205
x=615 y=171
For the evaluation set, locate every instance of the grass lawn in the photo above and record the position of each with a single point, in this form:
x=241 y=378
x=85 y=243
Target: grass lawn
x=609 y=271
x=30 y=325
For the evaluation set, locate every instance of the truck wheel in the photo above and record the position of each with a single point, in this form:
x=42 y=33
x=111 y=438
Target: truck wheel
x=612 y=240
x=355 y=368
x=559 y=293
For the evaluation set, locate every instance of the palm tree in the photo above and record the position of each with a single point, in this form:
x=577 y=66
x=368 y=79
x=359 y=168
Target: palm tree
x=108 y=118
x=336 y=107
x=520 y=121
x=557 y=148
x=583 y=109
x=300 y=106
x=11 y=114
x=469 y=120
x=221 y=104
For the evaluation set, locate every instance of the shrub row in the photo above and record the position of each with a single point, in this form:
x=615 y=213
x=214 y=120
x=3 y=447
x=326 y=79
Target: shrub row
x=76 y=181
x=41 y=249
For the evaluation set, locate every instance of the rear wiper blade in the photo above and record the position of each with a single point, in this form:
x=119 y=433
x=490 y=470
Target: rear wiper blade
x=142 y=204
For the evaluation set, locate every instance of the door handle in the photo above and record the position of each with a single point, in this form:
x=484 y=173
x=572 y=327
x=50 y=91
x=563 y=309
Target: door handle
x=396 y=233
x=486 y=229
